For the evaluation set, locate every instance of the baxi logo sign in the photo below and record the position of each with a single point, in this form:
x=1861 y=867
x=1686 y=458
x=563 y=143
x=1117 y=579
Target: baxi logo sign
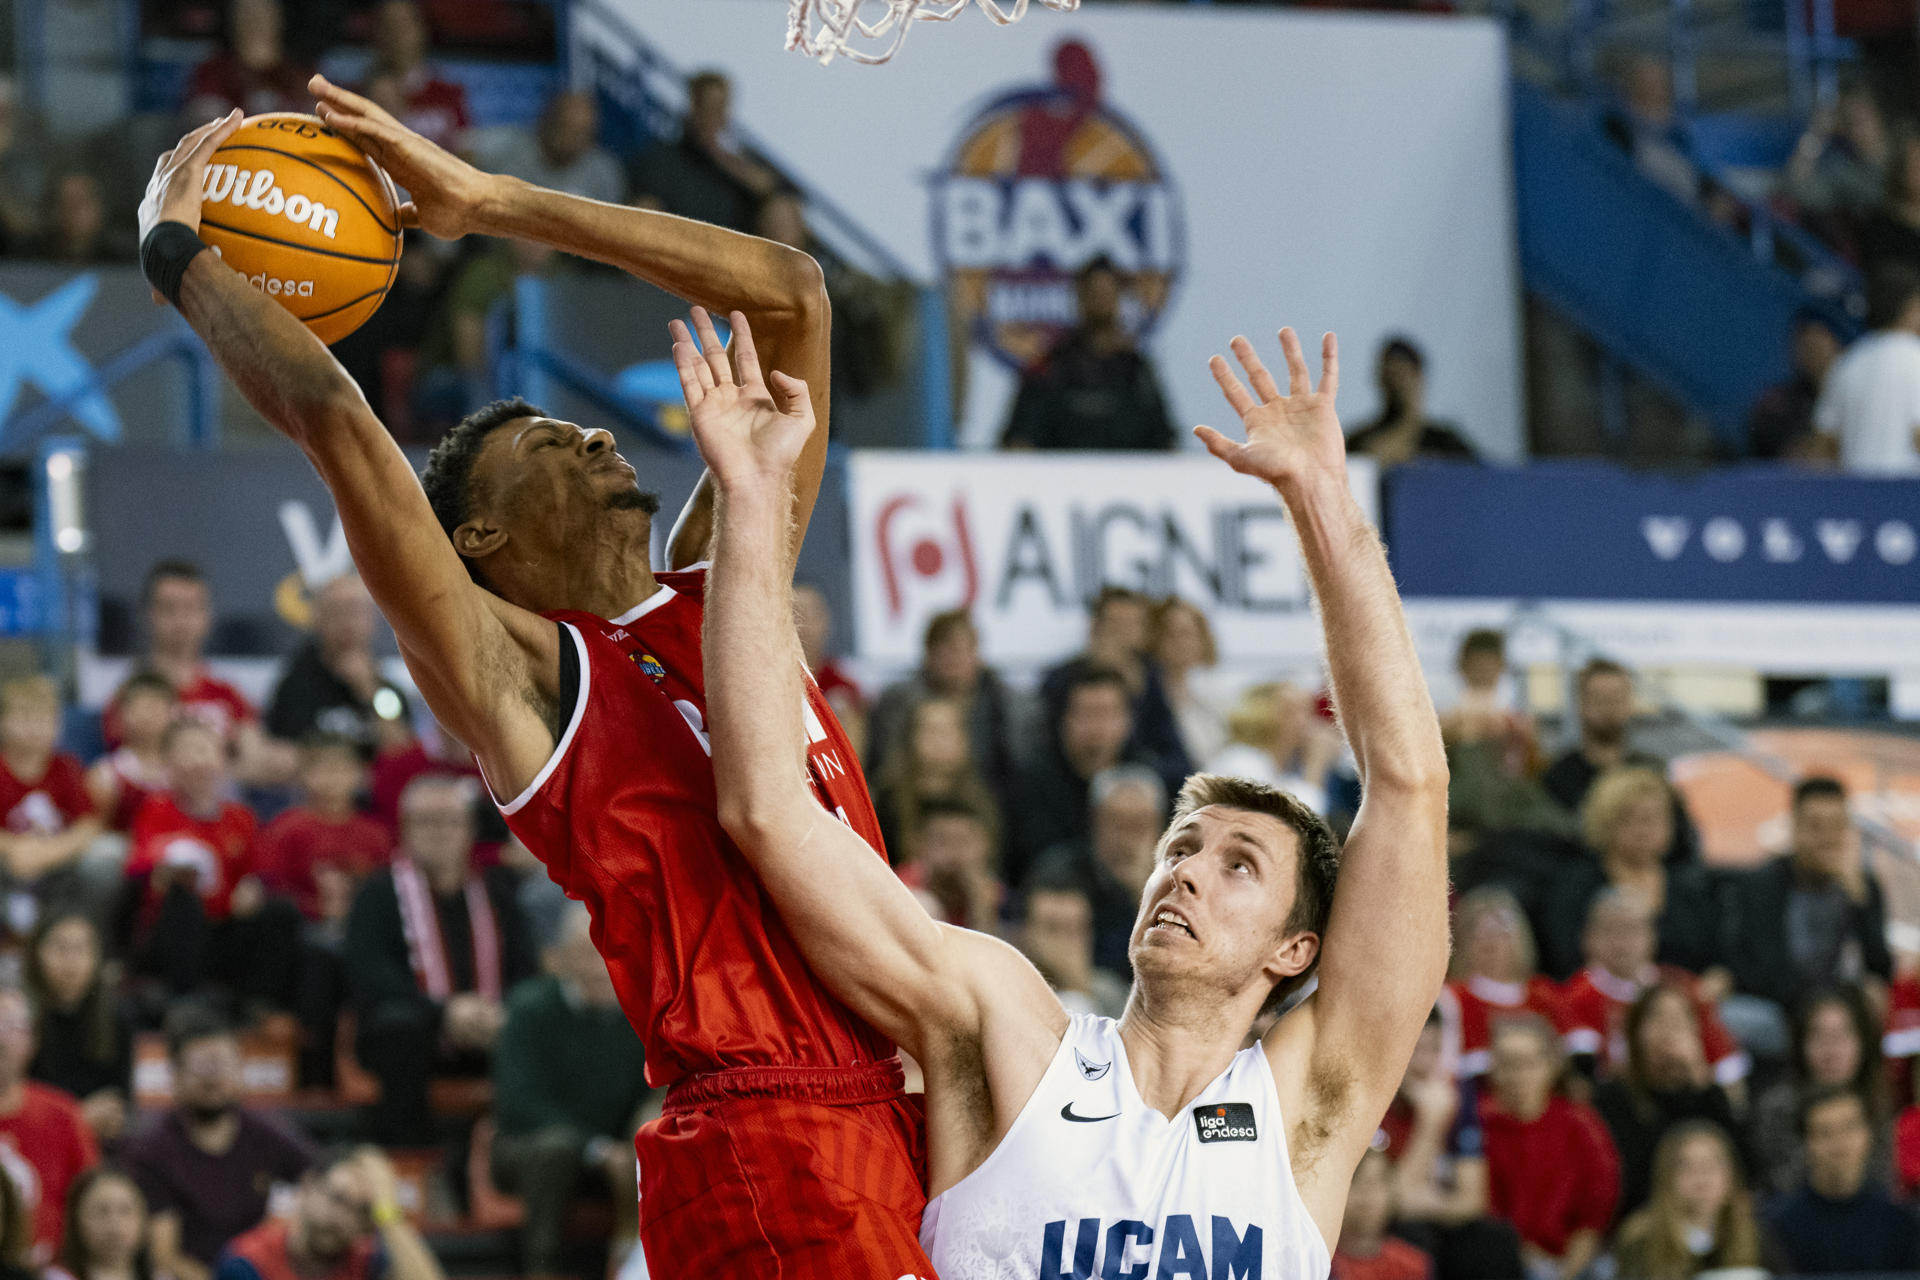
x=1044 y=180
x=1023 y=543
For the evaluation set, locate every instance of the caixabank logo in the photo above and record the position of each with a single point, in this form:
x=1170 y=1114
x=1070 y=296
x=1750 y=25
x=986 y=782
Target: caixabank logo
x=1044 y=180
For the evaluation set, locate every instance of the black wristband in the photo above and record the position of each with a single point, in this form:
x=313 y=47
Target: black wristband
x=164 y=256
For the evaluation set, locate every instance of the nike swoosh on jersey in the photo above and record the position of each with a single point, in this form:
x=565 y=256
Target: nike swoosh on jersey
x=1066 y=1113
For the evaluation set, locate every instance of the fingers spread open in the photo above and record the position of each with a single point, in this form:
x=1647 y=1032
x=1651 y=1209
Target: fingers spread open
x=746 y=360
x=695 y=378
x=1218 y=445
x=1263 y=383
x=1237 y=395
x=711 y=347
x=1298 y=383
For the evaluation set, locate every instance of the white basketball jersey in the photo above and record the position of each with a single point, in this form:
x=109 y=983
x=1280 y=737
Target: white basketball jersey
x=1091 y=1183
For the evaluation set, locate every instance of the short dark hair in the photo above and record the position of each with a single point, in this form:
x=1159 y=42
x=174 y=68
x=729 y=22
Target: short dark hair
x=943 y=624
x=191 y=1022
x=169 y=570
x=1820 y=1095
x=1599 y=667
x=448 y=477
x=1891 y=286
x=1051 y=879
x=1484 y=640
x=1819 y=786
x=1092 y=675
x=147 y=680
x=1406 y=348
x=1319 y=855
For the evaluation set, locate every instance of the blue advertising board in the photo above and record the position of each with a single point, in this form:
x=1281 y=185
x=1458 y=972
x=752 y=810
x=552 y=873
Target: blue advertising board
x=1594 y=531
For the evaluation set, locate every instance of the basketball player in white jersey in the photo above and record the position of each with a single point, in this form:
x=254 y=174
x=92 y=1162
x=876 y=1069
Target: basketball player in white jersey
x=1071 y=1147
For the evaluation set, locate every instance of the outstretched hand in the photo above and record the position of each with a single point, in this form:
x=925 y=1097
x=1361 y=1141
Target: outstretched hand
x=447 y=191
x=750 y=428
x=1291 y=436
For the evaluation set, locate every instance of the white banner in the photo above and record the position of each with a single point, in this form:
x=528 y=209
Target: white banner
x=1249 y=169
x=1025 y=541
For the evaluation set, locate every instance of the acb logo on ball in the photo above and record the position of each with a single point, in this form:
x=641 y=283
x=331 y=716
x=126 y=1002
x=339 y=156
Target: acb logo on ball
x=1043 y=180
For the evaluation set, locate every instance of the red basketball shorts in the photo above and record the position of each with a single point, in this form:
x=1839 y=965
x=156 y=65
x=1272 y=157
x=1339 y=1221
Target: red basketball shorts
x=785 y=1173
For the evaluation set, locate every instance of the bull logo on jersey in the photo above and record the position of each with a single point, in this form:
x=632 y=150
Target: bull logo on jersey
x=1043 y=180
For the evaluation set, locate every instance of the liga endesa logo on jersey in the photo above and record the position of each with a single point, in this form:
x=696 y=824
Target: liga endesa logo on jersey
x=1043 y=180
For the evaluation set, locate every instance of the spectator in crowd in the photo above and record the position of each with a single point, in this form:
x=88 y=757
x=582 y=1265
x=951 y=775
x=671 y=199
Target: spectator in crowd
x=16 y=1236
x=1274 y=736
x=1835 y=1043
x=949 y=857
x=1628 y=824
x=1402 y=431
x=23 y=171
x=707 y=175
x=1050 y=795
x=252 y=70
x=120 y=781
x=569 y=1082
x=1182 y=645
x=1646 y=127
x=432 y=948
x=1667 y=1081
x=1837 y=173
x=1551 y=1169
x=1365 y=1251
x=561 y=154
x=931 y=760
x=44 y=1141
x=1840 y=1221
x=1780 y=424
x=432 y=107
x=108 y=1231
x=83 y=1033
x=208 y=1166
x=1111 y=865
x=1617 y=950
x=1431 y=1133
x=1484 y=711
x=1119 y=636
x=179 y=617
x=1603 y=695
x=1869 y=407
x=1056 y=933
x=204 y=914
x=316 y=853
x=76 y=229
x=49 y=819
x=1698 y=1218
x=1892 y=234
x=1094 y=389
x=1492 y=978
x=1813 y=915
x=333 y=685
x=346 y=1225
x=436 y=752
x=813 y=617
x=1493 y=752
x=454 y=354
x=951 y=667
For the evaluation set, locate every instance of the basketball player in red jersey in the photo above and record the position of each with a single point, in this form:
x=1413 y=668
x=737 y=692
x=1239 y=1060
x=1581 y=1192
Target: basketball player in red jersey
x=518 y=584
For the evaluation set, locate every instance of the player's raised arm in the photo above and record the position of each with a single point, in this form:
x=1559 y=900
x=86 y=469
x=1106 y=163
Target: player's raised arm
x=859 y=927
x=477 y=659
x=711 y=267
x=1385 y=950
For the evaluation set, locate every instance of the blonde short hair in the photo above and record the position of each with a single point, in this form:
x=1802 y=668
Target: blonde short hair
x=1615 y=792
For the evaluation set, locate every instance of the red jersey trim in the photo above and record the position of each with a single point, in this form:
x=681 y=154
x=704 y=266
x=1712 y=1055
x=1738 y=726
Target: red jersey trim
x=566 y=739
x=647 y=606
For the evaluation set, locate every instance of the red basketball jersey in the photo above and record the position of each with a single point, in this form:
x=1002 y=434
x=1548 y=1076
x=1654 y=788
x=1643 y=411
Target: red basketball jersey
x=1596 y=1006
x=1469 y=1009
x=625 y=818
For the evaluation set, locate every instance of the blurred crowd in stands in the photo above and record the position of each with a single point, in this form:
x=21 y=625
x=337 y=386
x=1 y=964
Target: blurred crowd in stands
x=229 y=934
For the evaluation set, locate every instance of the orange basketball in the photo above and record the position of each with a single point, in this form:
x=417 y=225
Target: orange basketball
x=306 y=217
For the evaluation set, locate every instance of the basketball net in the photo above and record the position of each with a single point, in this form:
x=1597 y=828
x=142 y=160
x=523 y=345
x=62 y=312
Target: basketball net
x=828 y=29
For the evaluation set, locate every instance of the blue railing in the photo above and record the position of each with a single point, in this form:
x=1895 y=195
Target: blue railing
x=200 y=428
